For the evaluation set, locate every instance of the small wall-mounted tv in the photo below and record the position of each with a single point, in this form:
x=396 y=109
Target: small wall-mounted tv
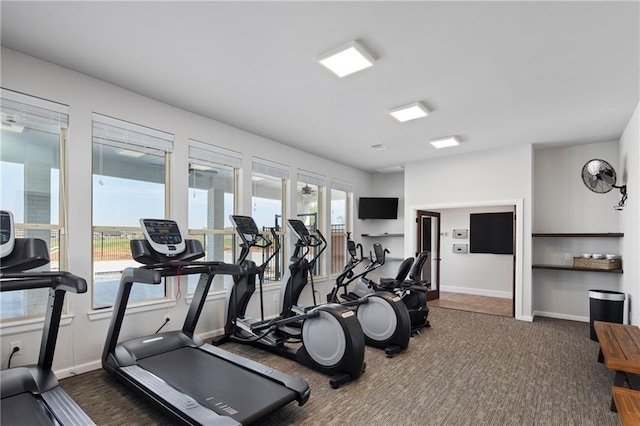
x=378 y=208
x=491 y=233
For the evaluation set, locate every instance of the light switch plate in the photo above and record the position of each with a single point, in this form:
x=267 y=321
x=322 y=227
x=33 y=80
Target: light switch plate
x=461 y=248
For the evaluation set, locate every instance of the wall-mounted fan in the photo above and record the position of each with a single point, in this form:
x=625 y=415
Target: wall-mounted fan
x=600 y=177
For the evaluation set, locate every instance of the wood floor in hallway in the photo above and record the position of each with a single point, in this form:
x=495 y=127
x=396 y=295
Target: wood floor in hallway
x=473 y=303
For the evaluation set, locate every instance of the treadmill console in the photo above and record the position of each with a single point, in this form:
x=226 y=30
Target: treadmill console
x=300 y=230
x=246 y=226
x=163 y=235
x=7 y=237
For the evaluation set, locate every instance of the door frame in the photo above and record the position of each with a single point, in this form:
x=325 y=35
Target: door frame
x=431 y=294
x=518 y=297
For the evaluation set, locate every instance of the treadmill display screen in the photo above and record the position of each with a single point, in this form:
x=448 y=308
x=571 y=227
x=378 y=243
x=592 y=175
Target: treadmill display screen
x=163 y=235
x=6 y=233
x=163 y=232
x=299 y=228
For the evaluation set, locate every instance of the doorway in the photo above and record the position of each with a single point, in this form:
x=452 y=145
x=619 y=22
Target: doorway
x=429 y=242
x=480 y=279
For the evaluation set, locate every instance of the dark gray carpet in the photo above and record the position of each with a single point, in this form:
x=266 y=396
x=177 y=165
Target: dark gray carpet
x=467 y=369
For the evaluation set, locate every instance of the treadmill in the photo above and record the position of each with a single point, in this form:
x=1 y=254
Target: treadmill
x=31 y=394
x=194 y=382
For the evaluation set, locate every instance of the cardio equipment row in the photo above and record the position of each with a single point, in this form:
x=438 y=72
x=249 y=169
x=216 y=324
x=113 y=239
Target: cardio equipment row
x=190 y=380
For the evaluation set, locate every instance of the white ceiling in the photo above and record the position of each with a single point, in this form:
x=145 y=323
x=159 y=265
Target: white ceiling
x=493 y=73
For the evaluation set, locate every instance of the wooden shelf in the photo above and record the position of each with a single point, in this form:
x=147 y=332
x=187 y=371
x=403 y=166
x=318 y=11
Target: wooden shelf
x=580 y=235
x=381 y=235
x=571 y=268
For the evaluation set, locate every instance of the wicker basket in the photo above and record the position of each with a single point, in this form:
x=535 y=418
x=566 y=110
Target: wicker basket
x=581 y=262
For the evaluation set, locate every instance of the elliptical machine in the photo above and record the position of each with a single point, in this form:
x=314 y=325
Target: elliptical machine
x=331 y=336
x=413 y=295
x=382 y=315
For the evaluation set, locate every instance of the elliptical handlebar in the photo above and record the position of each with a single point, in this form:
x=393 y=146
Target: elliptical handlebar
x=321 y=241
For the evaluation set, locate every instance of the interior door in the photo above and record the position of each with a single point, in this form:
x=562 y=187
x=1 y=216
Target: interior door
x=429 y=240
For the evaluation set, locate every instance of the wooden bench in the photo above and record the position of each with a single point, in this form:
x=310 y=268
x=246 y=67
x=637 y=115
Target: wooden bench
x=620 y=351
x=628 y=404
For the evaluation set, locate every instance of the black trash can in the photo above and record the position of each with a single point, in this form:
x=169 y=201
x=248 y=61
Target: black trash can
x=605 y=305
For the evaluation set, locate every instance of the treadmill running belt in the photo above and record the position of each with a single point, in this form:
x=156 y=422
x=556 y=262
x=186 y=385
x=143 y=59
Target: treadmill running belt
x=219 y=385
x=25 y=409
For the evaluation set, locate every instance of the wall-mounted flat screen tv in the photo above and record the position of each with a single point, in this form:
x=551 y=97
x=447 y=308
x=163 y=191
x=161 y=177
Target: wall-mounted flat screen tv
x=491 y=233
x=378 y=208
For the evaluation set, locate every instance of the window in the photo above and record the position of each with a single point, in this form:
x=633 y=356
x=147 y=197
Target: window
x=268 y=189
x=129 y=183
x=212 y=198
x=340 y=220
x=31 y=153
x=308 y=207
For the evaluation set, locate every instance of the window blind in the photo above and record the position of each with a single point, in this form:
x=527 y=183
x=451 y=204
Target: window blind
x=270 y=168
x=311 y=178
x=207 y=155
x=122 y=134
x=341 y=185
x=29 y=111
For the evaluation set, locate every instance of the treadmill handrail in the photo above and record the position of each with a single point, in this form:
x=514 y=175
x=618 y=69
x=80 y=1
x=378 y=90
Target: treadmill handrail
x=190 y=268
x=140 y=275
x=65 y=281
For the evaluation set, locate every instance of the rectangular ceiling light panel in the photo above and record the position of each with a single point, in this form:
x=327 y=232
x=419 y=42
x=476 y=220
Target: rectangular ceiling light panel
x=446 y=142
x=347 y=59
x=409 y=112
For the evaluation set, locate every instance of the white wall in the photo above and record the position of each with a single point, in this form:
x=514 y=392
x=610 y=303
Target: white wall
x=80 y=343
x=630 y=216
x=487 y=178
x=386 y=185
x=562 y=204
x=483 y=274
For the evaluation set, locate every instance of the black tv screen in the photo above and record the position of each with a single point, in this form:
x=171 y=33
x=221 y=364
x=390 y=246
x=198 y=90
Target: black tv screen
x=378 y=208
x=491 y=233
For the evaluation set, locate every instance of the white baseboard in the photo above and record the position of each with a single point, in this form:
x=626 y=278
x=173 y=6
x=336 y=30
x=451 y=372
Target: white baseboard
x=561 y=316
x=477 y=291
x=211 y=334
x=526 y=318
x=95 y=365
x=78 y=369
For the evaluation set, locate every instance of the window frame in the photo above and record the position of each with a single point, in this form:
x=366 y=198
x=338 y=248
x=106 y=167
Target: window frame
x=275 y=171
x=28 y=110
x=342 y=234
x=166 y=148
x=215 y=156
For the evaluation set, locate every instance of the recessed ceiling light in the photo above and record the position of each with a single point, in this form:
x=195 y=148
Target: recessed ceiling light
x=446 y=142
x=379 y=146
x=409 y=112
x=129 y=153
x=347 y=59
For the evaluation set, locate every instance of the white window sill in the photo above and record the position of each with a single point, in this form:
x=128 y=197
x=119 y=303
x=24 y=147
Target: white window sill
x=9 y=328
x=222 y=294
x=100 y=314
